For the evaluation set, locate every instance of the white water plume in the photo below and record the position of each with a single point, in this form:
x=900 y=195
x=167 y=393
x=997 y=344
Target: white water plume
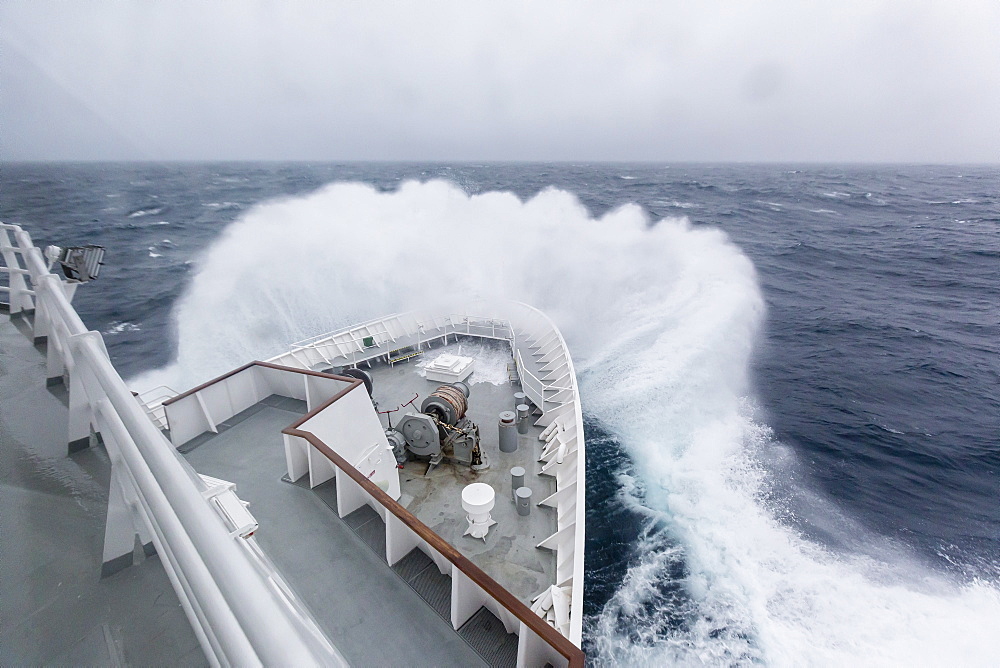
x=661 y=321
x=491 y=360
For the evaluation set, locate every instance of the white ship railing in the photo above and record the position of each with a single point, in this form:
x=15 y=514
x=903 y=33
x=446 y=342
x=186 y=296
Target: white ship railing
x=153 y=399
x=20 y=282
x=334 y=441
x=547 y=377
x=241 y=610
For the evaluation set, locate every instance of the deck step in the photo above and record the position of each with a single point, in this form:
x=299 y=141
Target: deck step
x=422 y=574
x=486 y=634
x=369 y=527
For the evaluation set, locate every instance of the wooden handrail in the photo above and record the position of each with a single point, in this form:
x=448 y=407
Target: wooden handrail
x=269 y=365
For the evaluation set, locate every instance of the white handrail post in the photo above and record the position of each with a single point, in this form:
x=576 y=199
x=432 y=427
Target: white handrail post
x=41 y=325
x=54 y=329
x=124 y=522
x=78 y=424
x=119 y=531
x=80 y=400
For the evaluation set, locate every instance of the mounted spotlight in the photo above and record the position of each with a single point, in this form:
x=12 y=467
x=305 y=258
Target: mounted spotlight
x=81 y=263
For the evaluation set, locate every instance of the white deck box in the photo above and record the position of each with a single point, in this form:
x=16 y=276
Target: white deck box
x=450 y=368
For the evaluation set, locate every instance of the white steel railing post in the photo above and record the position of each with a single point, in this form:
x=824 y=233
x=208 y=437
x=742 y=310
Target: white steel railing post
x=78 y=424
x=53 y=328
x=41 y=324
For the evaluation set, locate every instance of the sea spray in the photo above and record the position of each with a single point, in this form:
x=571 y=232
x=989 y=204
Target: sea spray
x=291 y=268
x=661 y=319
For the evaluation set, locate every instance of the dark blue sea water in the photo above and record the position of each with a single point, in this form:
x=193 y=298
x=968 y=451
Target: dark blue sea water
x=842 y=506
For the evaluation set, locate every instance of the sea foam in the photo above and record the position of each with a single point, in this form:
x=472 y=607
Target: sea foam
x=661 y=320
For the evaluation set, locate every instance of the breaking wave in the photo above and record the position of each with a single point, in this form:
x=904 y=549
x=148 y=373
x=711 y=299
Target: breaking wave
x=661 y=319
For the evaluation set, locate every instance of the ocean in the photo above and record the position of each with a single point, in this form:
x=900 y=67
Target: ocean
x=790 y=374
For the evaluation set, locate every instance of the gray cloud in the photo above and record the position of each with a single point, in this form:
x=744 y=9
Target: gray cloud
x=717 y=80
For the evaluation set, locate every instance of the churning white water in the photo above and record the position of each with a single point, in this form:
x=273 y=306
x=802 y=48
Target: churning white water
x=491 y=360
x=661 y=320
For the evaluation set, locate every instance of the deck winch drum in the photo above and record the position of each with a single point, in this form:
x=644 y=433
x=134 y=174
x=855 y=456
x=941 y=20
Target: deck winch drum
x=441 y=429
x=450 y=402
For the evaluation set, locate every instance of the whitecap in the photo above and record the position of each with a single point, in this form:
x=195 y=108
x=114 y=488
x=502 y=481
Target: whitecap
x=139 y=213
x=117 y=327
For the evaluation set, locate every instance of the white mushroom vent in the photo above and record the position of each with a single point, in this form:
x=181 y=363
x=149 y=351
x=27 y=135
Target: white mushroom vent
x=478 y=500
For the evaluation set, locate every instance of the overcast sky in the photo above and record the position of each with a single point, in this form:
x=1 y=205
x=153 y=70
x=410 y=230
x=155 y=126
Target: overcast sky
x=838 y=80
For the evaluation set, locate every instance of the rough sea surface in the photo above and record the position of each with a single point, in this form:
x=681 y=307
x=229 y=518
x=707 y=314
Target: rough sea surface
x=790 y=374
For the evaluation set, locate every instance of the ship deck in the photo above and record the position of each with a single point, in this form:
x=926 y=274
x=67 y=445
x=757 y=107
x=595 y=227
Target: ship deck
x=508 y=554
x=320 y=554
x=57 y=609
x=351 y=592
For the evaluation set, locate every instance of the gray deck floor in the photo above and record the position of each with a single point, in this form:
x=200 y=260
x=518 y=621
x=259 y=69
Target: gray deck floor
x=373 y=616
x=54 y=607
x=508 y=554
